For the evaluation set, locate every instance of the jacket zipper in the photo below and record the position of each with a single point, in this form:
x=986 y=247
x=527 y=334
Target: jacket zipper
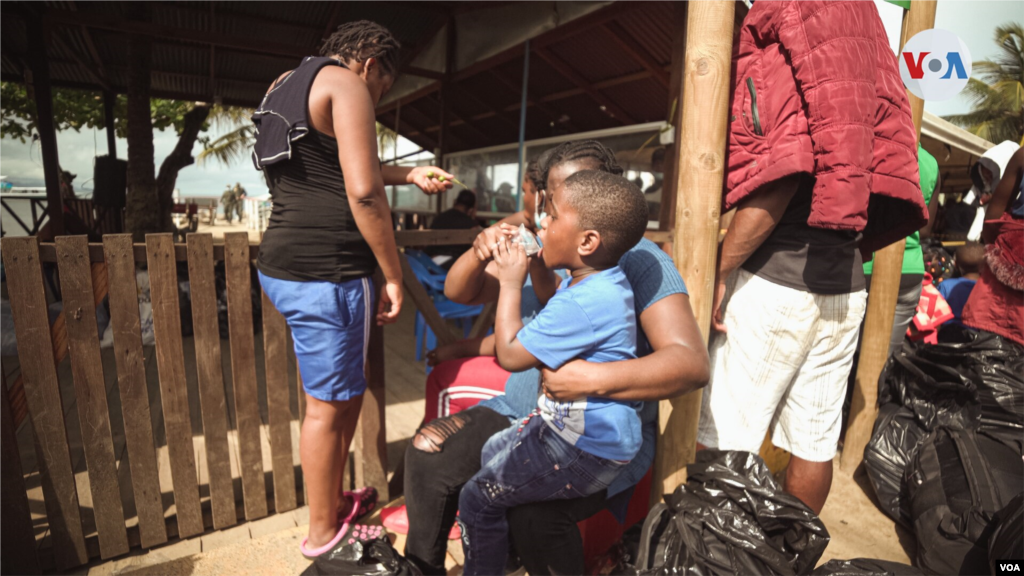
x=755 y=116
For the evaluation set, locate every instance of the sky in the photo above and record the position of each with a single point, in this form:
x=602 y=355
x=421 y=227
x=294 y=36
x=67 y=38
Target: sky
x=972 y=20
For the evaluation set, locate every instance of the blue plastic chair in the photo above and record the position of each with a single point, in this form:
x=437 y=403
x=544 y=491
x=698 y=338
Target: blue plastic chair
x=432 y=277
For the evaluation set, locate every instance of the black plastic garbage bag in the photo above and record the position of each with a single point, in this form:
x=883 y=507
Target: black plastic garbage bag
x=730 y=517
x=893 y=443
x=956 y=483
x=936 y=389
x=1007 y=539
x=375 y=557
x=864 y=567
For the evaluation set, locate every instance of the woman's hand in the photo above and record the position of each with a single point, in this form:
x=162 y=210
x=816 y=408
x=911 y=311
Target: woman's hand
x=444 y=353
x=390 y=303
x=488 y=238
x=564 y=384
x=430 y=179
x=512 y=263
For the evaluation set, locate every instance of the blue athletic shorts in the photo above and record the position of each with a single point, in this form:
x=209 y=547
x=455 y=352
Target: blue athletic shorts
x=330 y=325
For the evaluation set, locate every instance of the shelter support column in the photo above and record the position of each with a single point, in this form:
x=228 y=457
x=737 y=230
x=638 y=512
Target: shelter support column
x=700 y=169
x=109 y=101
x=666 y=216
x=41 y=91
x=885 y=286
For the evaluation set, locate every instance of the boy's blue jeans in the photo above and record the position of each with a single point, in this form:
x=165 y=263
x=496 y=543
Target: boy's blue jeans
x=526 y=463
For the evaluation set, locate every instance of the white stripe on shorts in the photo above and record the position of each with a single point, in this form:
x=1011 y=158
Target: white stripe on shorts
x=367 y=318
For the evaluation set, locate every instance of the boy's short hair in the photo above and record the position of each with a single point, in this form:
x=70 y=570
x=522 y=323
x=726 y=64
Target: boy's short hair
x=610 y=204
x=969 y=258
x=362 y=40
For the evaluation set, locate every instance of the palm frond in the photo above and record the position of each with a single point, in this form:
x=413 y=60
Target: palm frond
x=229 y=147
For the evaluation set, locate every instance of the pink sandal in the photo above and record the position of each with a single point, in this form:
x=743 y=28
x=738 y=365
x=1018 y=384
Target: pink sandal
x=363 y=501
x=312 y=554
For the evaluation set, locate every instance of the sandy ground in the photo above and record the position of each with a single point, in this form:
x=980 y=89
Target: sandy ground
x=857 y=526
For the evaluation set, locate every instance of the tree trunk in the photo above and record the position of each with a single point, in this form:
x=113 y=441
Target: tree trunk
x=180 y=158
x=142 y=211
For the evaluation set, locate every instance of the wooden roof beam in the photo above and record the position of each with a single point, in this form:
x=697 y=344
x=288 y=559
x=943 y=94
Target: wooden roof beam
x=531 y=99
x=576 y=78
x=91 y=70
x=638 y=53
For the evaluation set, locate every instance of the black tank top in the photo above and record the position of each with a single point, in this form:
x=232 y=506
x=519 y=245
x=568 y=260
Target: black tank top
x=312 y=234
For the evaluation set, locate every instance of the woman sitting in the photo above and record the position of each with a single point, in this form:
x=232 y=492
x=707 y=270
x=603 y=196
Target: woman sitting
x=446 y=452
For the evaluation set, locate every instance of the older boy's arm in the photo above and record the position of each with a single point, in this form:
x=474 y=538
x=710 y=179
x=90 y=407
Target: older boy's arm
x=678 y=364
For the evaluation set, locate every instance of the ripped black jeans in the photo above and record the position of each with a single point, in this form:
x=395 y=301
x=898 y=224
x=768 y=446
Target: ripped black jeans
x=442 y=458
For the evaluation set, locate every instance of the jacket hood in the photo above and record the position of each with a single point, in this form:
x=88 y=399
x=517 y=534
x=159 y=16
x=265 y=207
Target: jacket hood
x=995 y=159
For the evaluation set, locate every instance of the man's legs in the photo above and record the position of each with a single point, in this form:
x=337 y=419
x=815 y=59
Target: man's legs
x=444 y=455
x=327 y=433
x=809 y=417
x=771 y=327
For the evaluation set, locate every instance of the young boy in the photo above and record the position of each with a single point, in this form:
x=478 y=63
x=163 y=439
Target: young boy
x=575 y=449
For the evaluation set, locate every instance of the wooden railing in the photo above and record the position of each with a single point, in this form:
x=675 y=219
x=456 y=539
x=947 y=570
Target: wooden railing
x=90 y=272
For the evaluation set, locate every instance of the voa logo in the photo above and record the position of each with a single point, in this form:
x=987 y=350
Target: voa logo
x=935 y=65
x=1007 y=566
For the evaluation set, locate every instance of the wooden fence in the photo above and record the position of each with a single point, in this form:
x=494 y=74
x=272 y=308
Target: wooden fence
x=88 y=274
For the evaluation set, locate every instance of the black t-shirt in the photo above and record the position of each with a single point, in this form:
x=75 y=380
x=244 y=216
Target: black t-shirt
x=312 y=234
x=809 y=259
x=451 y=219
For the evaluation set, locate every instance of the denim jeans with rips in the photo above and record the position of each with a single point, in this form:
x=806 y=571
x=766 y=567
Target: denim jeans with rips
x=526 y=463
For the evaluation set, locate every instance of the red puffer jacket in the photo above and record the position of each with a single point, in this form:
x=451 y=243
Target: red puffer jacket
x=817 y=90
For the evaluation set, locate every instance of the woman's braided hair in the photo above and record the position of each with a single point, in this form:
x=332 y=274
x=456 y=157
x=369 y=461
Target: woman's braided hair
x=578 y=150
x=361 y=40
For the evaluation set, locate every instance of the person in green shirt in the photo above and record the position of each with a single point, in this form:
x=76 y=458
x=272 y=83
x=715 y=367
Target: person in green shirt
x=913 y=258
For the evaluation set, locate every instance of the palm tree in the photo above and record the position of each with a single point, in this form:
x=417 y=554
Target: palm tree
x=997 y=90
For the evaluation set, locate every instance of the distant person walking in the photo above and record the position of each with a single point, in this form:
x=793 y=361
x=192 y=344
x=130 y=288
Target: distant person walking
x=228 y=202
x=239 y=194
x=329 y=229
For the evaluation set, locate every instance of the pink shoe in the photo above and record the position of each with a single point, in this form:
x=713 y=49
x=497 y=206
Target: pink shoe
x=396 y=519
x=363 y=501
x=312 y=554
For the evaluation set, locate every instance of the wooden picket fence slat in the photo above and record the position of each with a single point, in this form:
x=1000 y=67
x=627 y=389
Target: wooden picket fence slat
x=17 y=537
x=212 y=402
x=90 y=390
x=243 y=373
x=42 y=394
x=170 y=360
x=275 y=353
x=131 y=381
x=92 y=272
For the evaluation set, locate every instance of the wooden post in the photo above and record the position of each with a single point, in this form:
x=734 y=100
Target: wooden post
x=371 y=465
x=109 y=99
x=40 y=66
x=700 y=146
x=885 y=287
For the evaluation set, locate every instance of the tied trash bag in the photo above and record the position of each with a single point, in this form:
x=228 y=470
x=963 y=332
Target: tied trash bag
x=956 y=483
x=1007 y=539
x=363 y=557
x=936 y=390
x=864 y=567
x=730 y=517
x=894 y=441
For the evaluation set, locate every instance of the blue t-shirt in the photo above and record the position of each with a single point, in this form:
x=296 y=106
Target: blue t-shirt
x=593 y=320
x=653 y=276
x=956 y=291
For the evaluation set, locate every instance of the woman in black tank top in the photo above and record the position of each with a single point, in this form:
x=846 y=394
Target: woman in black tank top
x=330 y=227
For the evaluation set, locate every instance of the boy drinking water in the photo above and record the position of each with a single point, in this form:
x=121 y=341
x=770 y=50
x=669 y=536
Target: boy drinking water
x=574 y=449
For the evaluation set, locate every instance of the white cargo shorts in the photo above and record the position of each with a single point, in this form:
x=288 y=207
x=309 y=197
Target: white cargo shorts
x=783 y=364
